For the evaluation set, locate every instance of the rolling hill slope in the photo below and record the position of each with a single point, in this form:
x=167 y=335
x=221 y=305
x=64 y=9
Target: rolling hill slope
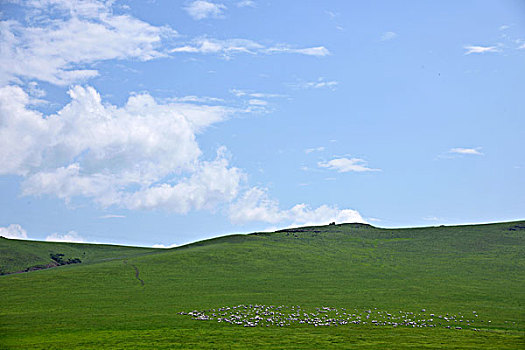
x=18 y=256
x=474 y=273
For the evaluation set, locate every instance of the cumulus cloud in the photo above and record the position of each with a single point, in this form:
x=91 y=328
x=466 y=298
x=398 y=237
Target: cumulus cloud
x=211 y=184
x=13 y=231
x=71 y=236
x=201 y=9
x=82 y=33
x=344 y=165
x=143 y=155
x=466 y=151
x=229 y=47
x=480 y=49
x=256 y=205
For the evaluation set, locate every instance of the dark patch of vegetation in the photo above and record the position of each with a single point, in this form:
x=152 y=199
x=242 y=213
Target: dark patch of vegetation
x=59 y=259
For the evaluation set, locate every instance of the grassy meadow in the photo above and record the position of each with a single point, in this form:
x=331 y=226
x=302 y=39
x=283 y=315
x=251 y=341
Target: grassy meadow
x=123 y=297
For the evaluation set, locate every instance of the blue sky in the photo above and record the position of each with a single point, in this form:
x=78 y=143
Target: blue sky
x=164 y=122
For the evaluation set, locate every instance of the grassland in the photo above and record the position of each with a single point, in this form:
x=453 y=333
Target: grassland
x=454 y=270
x=16 y=255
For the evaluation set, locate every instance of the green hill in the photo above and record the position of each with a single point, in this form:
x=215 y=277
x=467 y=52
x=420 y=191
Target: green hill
x=448 y=274
x=18 y=256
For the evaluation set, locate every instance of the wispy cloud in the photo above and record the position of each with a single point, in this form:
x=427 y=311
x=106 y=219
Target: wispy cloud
x=254 y=94
x=246 y=3
x=466 y=151
x=195 y=99
x=201 y=9
x=480 y=49
x=332 y=14
x=316 y=149
x=310 y=51
x=229 y=47
x=374 y=219
x=257 y=102
x=388 y=36
x=320 y=83
x=112 y=216
x=344 y=165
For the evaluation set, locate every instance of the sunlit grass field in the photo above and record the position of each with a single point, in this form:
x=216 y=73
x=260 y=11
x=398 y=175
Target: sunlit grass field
x=444 y=270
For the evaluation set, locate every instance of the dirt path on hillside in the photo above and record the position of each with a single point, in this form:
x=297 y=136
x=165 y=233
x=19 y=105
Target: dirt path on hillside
x=136 y=273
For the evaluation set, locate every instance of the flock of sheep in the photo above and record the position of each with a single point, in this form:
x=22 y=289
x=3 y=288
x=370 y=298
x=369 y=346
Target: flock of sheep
x=283 y=316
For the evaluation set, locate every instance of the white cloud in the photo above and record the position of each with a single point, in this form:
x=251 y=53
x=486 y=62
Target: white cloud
x=228 y=47
x=71 y=236
x=143 y=155
x=257 y=102
x=480 y=49
x=61 y=49
x=112 y=216
x=246 y=93
x=466 y=151
x=255 y=205
x=215 y=46
x=316 y=149
x=310 y=51
x=388 y=36
x=196 y=99
x=332 y=14
x=34 y=91
x=246 y=3
x=79 y=8
x=201 y=9
x=320 y=83
x=211 y=184
x=504 y=27
x=343 y=165
x=13 y=231
x=162 y=246
x=374 y=219
x=60 y=41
